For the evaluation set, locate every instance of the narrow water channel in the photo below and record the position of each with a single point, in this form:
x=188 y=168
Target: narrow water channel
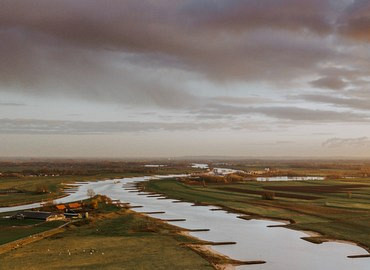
x=281 y=248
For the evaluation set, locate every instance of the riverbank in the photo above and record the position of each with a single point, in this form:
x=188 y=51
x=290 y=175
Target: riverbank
x=331 y=224
x=108 y=233
x=218 y=260
x=202 y=248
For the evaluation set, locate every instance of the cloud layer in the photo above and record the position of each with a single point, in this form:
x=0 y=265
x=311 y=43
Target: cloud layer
x=347 y=142
x=257 y=66
x=35 y=126
x=144 y=52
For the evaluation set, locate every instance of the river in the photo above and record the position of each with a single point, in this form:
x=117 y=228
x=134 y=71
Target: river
x=281 y=248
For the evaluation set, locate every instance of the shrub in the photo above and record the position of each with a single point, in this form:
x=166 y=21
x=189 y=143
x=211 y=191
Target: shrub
x=268 y=195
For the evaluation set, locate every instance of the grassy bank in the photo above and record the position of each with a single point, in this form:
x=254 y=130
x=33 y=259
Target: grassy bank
x=12 y=229
x=114 y=239
x=338 y=209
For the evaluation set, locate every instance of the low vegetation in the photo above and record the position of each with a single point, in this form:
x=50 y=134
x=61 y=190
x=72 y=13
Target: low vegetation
x=112 y=239
x=322 y=206
x=337 y=207
x=24 y=182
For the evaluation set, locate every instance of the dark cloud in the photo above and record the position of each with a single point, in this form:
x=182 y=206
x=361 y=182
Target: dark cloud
x=322 y=133
x=242 y=100
x=347 y=142
x=235 y=38
x=311 y=115
x=31 y=65
x=352 y=103
x=36 y=126
x=63 y=37
x=355 y=21
x=289 y=113
x=334 y=83
x=145 y=53
x=11 y=104
x=316 y=15
x=284 y=142
x=162 y=26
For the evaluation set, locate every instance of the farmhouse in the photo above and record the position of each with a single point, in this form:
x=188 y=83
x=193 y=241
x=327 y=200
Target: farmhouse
x=47 y=216
x=224 y=171
x=69 y=207
x=61 y=207
x=74 y=206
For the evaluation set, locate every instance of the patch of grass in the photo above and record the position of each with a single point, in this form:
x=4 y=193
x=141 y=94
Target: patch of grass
x=12 y=230
x=120 y=240
x=18 y=222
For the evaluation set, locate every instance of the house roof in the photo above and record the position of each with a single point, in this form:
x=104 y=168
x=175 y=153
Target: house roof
x=74 y=205
x=61 y=207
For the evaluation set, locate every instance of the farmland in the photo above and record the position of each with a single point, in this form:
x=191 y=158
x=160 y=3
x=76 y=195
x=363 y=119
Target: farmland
x=112 y=239
x=12 y=229
x=24 y=182
x=338 y=209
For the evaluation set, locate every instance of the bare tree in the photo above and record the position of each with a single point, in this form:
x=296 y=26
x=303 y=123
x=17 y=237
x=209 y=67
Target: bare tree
x=90 y=193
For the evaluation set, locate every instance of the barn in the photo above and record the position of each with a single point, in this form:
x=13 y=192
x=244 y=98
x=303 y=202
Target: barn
x=47 y=216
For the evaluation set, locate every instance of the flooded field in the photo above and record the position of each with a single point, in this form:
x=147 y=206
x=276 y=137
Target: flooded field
x=281 y=248
x=290 y=178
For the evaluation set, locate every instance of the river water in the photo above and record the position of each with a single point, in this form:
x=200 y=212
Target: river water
x=289 y=178
x=281 y=248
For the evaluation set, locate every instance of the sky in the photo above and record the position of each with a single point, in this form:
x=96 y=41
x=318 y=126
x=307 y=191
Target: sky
x=166 y=78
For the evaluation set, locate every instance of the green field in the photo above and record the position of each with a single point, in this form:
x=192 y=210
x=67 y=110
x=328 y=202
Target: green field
x=336 y=208
x=113 y=240
x=29 y=187
x=41 y=181
x=12 y=229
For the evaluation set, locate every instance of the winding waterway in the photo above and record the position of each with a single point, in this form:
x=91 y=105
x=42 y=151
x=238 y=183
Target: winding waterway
x=281 y=248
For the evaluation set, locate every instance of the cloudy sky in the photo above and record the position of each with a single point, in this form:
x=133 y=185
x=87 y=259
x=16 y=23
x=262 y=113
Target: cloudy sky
x=128 y=78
